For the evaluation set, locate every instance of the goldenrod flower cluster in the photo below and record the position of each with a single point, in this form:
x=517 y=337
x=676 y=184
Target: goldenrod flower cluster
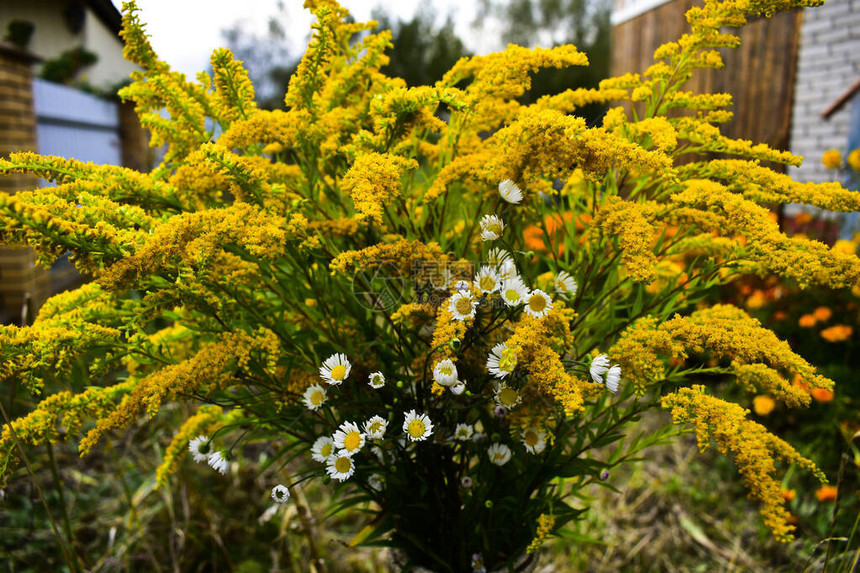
x=412 y=300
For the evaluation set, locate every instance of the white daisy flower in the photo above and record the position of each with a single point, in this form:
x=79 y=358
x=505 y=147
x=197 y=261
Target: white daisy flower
x=534 y=440
x=335 y=369
x=375 y=427
x=501 y=360
x=506 y=396
x=374 y=482
x=613 y=377
x=348 y=438
x=445 y=372
x=464 y=432
x=218 y=462
x=340 y=466
x=598 y=368
x=514 y=291
x=280 y=494
x=487 y=280
x=491 y=227
x=377 y=380
x=510 y=192
x=417 y=426
x=458 y=387
x=462 y=306
x=199 y=448
x=322 y=449
x=499 y=454
x=538 y=304
x=498 y=257
x=314 y=397
x=565 y=283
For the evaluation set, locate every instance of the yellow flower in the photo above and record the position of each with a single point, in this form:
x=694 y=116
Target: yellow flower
x=763 y=405
x=831 y=158
x=853 y=159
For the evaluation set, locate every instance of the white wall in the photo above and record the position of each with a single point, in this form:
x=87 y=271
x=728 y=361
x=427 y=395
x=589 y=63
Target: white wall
x=51 y=38
x=828 y=64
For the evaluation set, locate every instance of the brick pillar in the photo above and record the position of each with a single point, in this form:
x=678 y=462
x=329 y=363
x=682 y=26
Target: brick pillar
x=23 y=286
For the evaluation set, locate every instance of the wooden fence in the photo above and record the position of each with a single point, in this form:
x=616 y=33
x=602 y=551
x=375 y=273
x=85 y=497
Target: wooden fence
x=759 y=74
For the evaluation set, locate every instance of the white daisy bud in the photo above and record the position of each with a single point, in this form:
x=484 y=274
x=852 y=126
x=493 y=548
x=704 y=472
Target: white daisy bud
x=280 y=494
x=510 y=192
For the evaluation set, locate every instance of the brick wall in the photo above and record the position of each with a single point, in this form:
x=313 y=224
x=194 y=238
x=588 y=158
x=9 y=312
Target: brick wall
x=828 y=64
x=20 y=280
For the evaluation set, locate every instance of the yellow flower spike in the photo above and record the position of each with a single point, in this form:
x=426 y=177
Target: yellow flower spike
x=198 y=423
x=757 y=355
x=213 y=367
x=373 y=181
x=234 y=94
x=755 y=450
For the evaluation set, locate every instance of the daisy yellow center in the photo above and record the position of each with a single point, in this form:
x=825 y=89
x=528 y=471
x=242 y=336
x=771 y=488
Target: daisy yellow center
x=494 y=228
x=416 y=428
x=487 y=283
x=531 y=438
x=512 y=295
x=326 y=450
x=342 y=464
x=537 y=303
x=498 y=456
x=463 y=433
x=317 y=398
x=376 y=427
x=463 y=305
x=445 y=370
x=508 y=397
x=338 y=372
x=508 y=360
x=377 y=380
x=352 y=441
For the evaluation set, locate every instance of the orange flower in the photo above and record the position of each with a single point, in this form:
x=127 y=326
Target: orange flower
x=763 y=405
x=800 y=382
x=837 y=333
x=822 y=395
x=757 y=300
x=555 y=222
x=780 y=315
x=807 y=321
x=831 y=158
x=826 y=494
x=822 y=313
x=788 y=495
x=802 y=218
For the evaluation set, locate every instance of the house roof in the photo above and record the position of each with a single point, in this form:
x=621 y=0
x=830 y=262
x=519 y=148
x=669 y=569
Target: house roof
x=107 y=13
x=837 y=104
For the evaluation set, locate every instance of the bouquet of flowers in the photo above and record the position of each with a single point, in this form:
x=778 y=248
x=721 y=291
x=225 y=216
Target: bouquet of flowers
x=449 y=305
